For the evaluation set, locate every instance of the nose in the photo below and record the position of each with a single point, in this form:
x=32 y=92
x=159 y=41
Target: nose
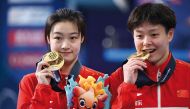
x=147 y=41
x=65 y=44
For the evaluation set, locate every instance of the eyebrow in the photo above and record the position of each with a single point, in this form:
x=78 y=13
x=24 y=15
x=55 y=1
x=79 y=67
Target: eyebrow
x=151 y=30
x=58 y=33
x=73 y=33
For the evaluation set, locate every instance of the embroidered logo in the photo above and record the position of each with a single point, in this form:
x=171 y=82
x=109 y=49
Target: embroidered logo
x=138 y=103
x=183 y=93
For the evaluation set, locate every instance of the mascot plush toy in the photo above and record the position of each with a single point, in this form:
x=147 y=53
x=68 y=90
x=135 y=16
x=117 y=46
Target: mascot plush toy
x=88 y=94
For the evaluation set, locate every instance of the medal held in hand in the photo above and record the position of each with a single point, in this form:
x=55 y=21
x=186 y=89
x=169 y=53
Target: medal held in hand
x=54 y=59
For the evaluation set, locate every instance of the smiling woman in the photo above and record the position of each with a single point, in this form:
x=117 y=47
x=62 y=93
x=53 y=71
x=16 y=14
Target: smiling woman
x=65 y=38
x=160 y=81
x=154 y=40
x=64 y=34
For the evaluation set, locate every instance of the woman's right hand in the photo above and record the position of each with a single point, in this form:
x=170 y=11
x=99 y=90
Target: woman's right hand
x=130 y=69
x=43 y=75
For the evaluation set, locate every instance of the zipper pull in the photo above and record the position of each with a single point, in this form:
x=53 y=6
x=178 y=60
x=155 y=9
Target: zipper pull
x=158 y=75
x=67 y=79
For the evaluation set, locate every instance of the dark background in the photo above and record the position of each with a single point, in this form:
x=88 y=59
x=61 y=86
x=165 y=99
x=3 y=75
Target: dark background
x=106 y=45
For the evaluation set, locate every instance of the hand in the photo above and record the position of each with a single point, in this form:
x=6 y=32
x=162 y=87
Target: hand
x=43 y=75
x=130 y=69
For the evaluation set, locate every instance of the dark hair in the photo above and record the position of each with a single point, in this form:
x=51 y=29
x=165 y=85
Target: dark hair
x=65 y=14
x=153 y=13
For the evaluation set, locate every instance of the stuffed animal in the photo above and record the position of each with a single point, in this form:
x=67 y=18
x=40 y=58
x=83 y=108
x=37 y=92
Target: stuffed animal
x=89 y=94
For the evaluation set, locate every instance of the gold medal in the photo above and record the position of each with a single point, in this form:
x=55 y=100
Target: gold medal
x=54 y=59
x=143 y=55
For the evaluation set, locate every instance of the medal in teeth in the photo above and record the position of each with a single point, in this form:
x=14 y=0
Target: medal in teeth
x=142 y=55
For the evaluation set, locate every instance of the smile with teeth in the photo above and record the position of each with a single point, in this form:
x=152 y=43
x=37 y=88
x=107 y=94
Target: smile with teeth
x=149 y=50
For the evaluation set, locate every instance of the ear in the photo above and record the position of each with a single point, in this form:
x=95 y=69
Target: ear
x=78 y=91
x=48 y=39
x=82 y=39
x=170 y=34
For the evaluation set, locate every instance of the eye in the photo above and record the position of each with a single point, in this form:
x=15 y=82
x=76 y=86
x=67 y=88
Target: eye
x=154 y=35
x=94 y=105
x=139 y=36
x=57 y=37
x=82 y=102
x=73 y=37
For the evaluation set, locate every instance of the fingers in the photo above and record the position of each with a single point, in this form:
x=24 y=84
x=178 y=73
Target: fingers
x=134 y=64
x=43 y=75
x=136 y=67
x=40 y=65
x=130 y=69
x=138 y=61
x=45 y=72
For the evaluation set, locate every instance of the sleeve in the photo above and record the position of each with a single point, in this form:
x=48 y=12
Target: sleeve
x=126 y=97
x=123 y=94
x=33 y=96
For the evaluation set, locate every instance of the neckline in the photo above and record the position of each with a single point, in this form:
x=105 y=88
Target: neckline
x=152 y=68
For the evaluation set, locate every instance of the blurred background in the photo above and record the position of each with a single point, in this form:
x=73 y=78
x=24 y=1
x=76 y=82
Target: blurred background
x=108 y=42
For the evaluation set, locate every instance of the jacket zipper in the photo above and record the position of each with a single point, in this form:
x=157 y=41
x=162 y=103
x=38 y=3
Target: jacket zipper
x=158 y=90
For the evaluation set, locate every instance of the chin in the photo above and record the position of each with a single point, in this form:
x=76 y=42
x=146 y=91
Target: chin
x=69 y=60
x=152 y=60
